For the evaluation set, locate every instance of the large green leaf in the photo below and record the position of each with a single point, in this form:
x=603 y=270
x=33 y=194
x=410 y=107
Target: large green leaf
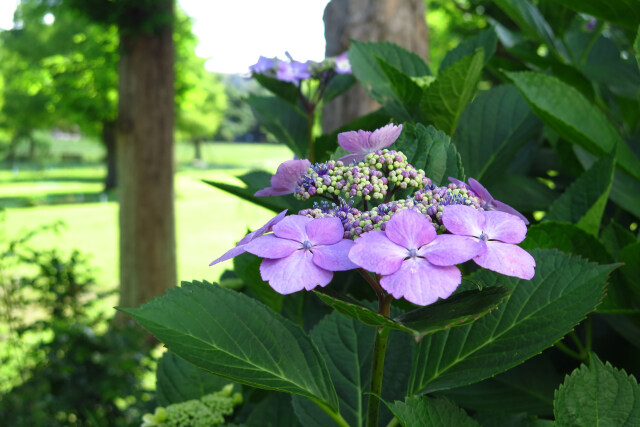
x=502 y=419
x=446 y=98
x=236 y=337
x=630 y=255
x=486 y=39
x=538 y=313
x=272 y=411
x=178 y=381
x=621 y=12
x=598 y=395
x=338 y=85
x=408 y=91
x=430 y=150
x=615 y=237
x=574 y=118
x=285 y=90
x=584 y=200
x=346 y=346
x=425 y=411
x=247 y=268
x=457 y=310
x=287 y=123
x=492 y=130
x=523 y=193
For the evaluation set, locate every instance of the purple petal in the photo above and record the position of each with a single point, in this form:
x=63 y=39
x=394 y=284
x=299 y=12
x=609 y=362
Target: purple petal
x=504 y=227
x=343 y=66
x=507 y=259
x=463 y=220
x=373 y=251
x=385 y=136
x=325 y=231
x=410 y=229
x=264 y=229
x=294 y=273
x=480 y=191
x=449 y=249
x=420 y=282
x=334 y=257
x=497 y=205
x=270 y=246
x=263 y=64
x=351 y=158
x=293 y=228
x=231 y=253
x=353 y=141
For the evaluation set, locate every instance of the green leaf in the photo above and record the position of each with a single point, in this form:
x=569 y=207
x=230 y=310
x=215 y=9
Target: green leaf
x=247 y=268
x=491 y=131
x=287 y=123
x=574 y=118
x=408 y=91
x=457 y=310
x=532 y=23
x=339 y=84
x=523 y=193
x=273 y=411
x=598 y=395
x=236 y=337
x=285 y=90
x=621 y=12
x=486 y=39
x=178 y=381
x=430 y=150
x=446 y=98
x=537 y=314
x=630 y=255
x=615 y=237
x=346 y=345
x=425 y=411
x=584 y=200
x=493 y=419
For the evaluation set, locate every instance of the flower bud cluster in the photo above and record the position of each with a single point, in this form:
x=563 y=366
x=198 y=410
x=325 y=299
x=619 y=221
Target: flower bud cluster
x=344 y=211
x=393 y=164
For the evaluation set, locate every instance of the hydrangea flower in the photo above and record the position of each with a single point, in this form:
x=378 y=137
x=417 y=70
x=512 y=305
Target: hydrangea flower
x=364 y=142
x=302 y=253
x=415 y=262
x=342 y=65
x=500 y=232
x=293 y=71
x=488 y=203
x=285 y=179
x=263 y=65
x=240 y=247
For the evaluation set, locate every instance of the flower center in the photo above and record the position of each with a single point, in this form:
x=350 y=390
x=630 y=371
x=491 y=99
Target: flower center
x=413 y=253
x=307 y=245
x=484 y=237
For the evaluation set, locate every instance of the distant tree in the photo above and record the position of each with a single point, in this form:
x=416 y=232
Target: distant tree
x=238 y=120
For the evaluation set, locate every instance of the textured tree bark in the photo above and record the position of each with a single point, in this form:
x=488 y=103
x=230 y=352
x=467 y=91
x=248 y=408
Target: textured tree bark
x=109 y=141
x=398 y=21
x=145 y=164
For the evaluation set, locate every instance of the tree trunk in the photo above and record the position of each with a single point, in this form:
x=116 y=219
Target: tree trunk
x=109 y=141
x=145 y=163
x=399 y=21
x=198 y=149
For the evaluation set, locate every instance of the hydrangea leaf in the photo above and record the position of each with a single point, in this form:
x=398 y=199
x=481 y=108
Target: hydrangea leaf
x=598 y=394
x=487 y=39
x=574 y=118
x=178 y=381
x=523 y=193
x=431 y=150
x=457 y=310
x=273 y=411
x=630 y=255
x=247 y=268
x=408 y=91
x=584 y=200
x=425 y=411
x=501 y=419
x=621 y=12
x=287 y=123
x=338 y=85
x=615 y=237
x=491 y=131
x=236 y=337
x=285 y=90
x=446 y=98
x=538 y=313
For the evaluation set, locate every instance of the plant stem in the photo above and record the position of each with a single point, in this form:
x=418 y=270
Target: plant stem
x=335 y=416
x=377 y=366
x=310 y=117
x=566 y=350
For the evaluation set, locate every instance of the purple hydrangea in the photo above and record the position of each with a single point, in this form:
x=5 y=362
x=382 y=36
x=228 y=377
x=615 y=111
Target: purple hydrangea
x=342 y=64
x=302 y=253
x=293 y=71
x=240 y=247
x=263 y=65
x=488 y=203
x=500 y=232
x=364 y=142
x=414 y=262
x=285 y=179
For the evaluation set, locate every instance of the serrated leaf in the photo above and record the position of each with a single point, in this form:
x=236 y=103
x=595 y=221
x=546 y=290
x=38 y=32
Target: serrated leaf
x=486 y=40
x=538 y=313
x=457 y=310
x=408 y=91
x=247 y=268
x=287 y=123
x=574 y=118
x=425 y=411
x=598 y=395
x=511 y=420
x=430 y=150
x=584 y=200
x=446 y=98
x=285 y=90
x=621 y=12
x=491 y=131
x=236 y=337
x=178 y=381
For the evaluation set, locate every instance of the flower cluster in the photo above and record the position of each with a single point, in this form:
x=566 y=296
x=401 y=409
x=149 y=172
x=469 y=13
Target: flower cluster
x=295 y=71
x=412 y=245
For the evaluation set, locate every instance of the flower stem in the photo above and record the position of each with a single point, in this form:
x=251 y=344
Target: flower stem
x=377 y=366
x=335 y=416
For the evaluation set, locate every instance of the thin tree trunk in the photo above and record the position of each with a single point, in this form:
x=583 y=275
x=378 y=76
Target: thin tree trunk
x=198 y=149
x=109 y=141
x=145 y=164
x=399 y=21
